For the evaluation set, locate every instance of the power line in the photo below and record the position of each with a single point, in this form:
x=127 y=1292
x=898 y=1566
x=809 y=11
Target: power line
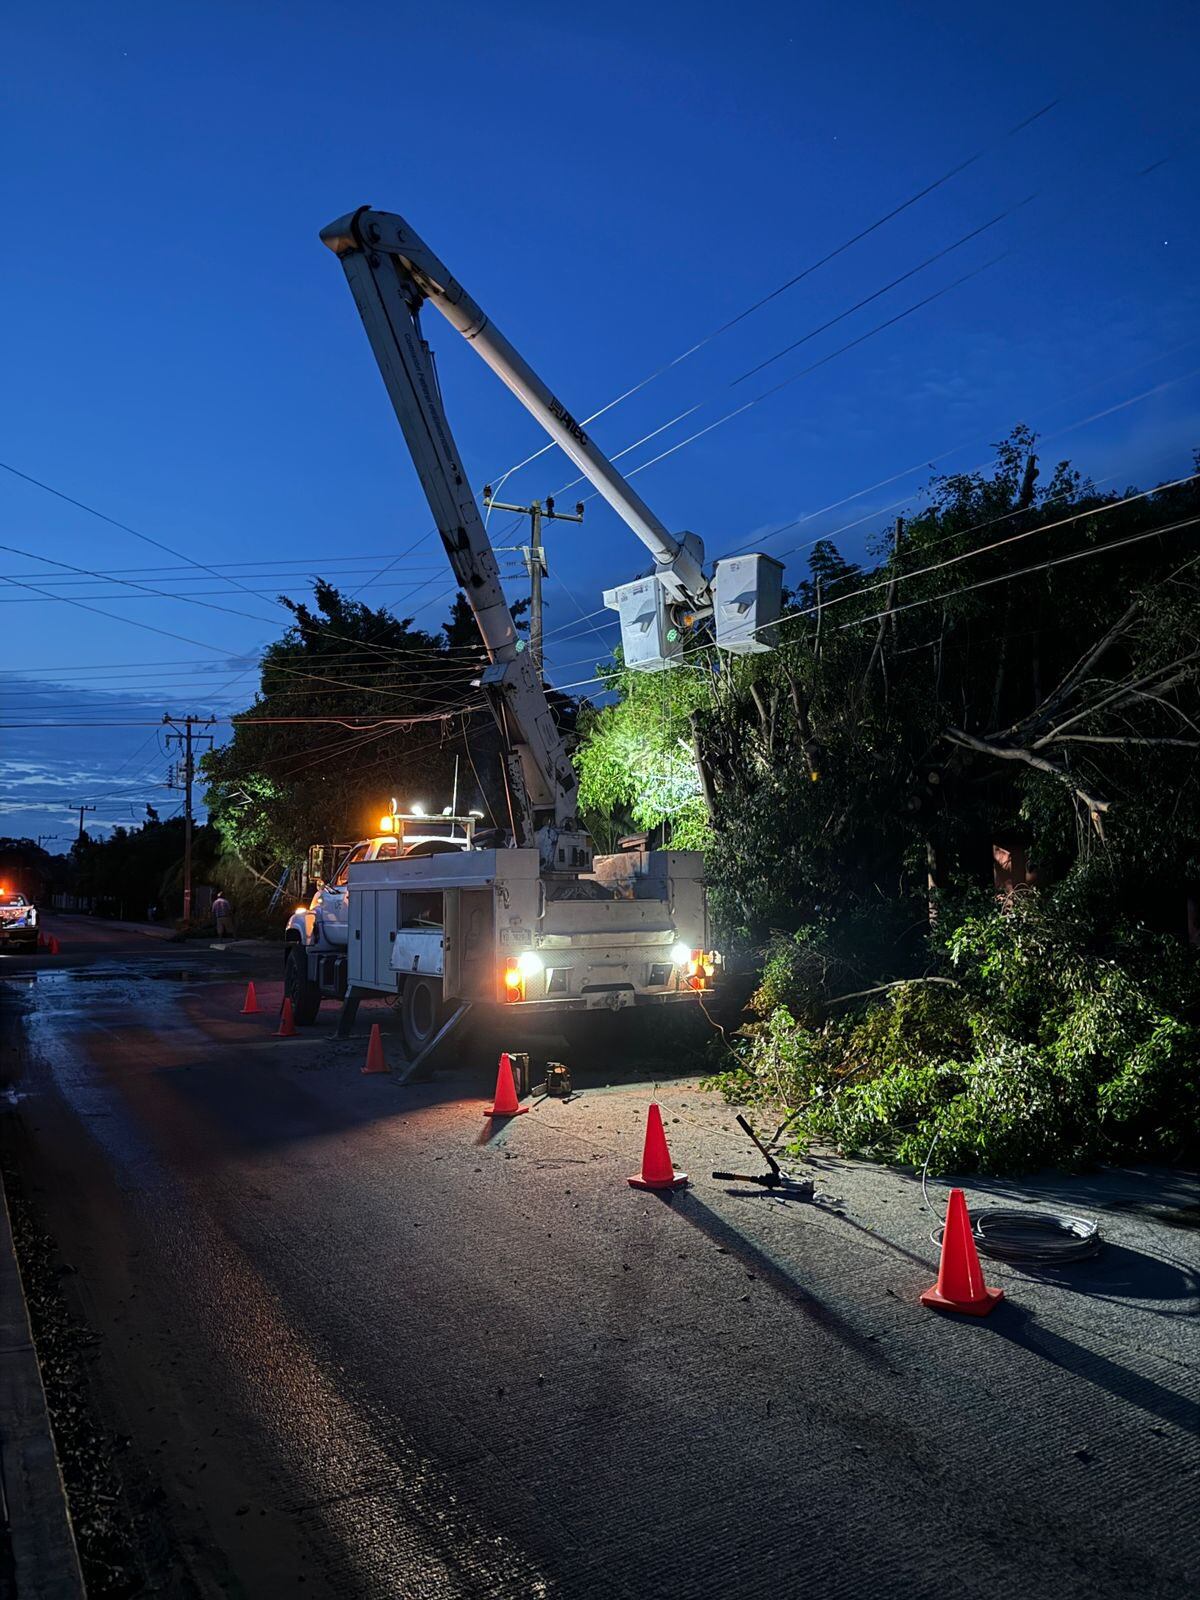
x=795 y=344
x=929 y=461
x=796 y=278
x=804 y=372
x=731 y=415
x=1076 y=555
x=1024 y=572
x=1106 y=509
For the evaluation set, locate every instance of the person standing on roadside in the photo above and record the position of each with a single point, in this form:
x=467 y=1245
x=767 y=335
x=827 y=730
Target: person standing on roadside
x=223 y=916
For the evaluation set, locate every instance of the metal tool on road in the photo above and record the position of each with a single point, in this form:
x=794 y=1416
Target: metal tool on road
x=558 y=1081
x=774 y=1177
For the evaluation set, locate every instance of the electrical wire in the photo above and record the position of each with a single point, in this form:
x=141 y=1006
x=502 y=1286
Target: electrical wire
x=796 y=278
x=1106 y=509
x=795 y=344
x=1024 y=1238
x=1085 y=554
x=1025 y=572
x=804 y=372
x=737 y=412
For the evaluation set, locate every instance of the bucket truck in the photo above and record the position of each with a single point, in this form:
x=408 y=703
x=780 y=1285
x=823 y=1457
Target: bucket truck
x=542 y=926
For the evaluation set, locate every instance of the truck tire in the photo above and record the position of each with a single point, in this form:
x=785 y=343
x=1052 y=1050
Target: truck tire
x=300 y=989
x=422 y=1012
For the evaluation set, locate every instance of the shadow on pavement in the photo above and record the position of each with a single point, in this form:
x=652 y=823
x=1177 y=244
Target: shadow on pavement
x=693 y=1210
x=1154 y=1192
x=1021 y=1328
x=1118 y=1273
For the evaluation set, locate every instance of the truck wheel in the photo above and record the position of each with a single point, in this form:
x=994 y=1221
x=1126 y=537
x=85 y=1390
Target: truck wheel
x=422 y=1012
x=300 y=989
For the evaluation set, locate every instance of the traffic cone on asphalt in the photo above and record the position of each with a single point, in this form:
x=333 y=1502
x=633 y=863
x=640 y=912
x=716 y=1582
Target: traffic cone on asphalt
x=375 y=1061
x=250 y=1008
x=960 y=1285
x=506 y=1103
x=53 y=946
x=657 y=1172
x=41 y=944
x=287 y=1022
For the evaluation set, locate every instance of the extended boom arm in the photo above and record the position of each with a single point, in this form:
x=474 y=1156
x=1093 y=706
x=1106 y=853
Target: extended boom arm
x=542 y=784
x=376 y=237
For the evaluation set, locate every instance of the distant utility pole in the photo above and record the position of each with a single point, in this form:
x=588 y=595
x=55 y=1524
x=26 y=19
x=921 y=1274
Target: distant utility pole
x=81 y=810
x=534 y=557
x=45 y=838
x=185 y=738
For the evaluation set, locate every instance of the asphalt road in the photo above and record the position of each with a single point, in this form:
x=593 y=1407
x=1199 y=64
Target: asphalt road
x=353 y=1341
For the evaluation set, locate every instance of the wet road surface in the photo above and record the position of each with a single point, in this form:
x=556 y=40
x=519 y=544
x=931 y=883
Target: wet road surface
x=354 y=1341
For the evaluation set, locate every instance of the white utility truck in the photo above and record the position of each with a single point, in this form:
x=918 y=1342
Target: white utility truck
x=423 y=915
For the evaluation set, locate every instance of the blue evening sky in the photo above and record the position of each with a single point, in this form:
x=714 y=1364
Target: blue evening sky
x=612 y=183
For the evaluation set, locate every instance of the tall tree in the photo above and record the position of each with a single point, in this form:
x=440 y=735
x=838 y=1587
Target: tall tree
x=278 y=786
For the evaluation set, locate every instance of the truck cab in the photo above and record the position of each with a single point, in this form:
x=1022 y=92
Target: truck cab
x=317 y=934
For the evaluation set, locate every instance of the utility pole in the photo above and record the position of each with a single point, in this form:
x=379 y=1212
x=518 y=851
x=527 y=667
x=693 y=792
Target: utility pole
x=185 y=739
x=534 y=556
x=81 y=810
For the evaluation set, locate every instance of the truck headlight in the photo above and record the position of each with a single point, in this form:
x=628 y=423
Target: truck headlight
x=681 y=954
x=529 y=963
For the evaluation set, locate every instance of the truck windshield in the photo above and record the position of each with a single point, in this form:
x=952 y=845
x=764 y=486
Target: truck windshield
x=359 y=853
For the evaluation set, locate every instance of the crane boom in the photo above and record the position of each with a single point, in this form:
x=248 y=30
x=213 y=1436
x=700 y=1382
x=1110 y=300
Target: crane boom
x=376 y=237
x=541 y=781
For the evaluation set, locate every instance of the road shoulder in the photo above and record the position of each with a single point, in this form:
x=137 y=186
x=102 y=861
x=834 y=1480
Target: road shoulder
x=45 y=1561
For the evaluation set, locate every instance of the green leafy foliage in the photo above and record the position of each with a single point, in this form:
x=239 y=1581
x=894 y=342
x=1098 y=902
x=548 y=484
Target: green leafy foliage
x=975 y=691
x=636 y=760
x=1054 y=1041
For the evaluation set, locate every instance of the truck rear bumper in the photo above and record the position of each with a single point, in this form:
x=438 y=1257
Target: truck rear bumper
x=604 y=1000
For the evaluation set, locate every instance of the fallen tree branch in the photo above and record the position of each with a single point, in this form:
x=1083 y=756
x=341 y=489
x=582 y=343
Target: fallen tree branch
x=1012 y=752
x=896 y=983
x=1121 y=738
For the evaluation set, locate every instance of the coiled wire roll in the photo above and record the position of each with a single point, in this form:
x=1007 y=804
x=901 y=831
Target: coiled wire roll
x=1032 y=1238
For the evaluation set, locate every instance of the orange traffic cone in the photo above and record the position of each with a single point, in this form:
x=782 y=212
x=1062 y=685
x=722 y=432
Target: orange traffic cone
x=250 y=1009
x=506 y=1104
x=53 y=945
x=41 y=944
x=287 y=1023
x=960 y=1285
x=657 y=1170
x=375 y=1061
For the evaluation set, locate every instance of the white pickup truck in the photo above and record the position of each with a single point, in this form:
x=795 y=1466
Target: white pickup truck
x=422 y=917
x=18 y=922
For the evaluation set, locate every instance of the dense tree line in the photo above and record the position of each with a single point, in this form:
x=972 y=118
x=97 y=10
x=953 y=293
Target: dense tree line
x=279 y=786
x=1016 y=681
x=134 y=872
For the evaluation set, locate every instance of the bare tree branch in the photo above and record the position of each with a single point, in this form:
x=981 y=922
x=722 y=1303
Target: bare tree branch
x=1007 y=752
